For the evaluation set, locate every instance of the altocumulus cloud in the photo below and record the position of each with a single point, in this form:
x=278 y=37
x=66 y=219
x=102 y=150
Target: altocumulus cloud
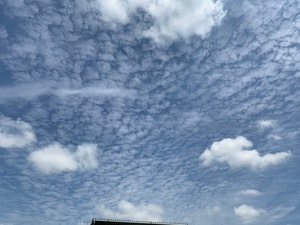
x=235 y=153
x=55 y=158
x=263 y=124
x=172 y=19
x=15 y=133
x=127 y=210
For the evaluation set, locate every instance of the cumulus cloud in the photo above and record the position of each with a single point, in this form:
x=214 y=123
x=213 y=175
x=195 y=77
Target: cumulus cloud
x=236 y=153
x=127 y=210
x=172 y=19
x=252 y=192
x=15 y=134
x=248 y=213
x=55 y=158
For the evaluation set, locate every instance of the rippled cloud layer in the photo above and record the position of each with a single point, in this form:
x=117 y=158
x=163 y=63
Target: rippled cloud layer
x=184 y=111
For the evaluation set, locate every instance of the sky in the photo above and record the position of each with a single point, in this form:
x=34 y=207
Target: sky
x=176 y=111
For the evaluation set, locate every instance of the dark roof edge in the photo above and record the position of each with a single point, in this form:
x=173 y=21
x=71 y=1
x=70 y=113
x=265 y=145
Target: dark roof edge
x=136 y=221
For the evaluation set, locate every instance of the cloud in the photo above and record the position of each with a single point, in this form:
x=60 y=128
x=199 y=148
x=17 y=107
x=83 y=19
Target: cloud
x=252 y=192
x=263 y=124
x=127 y=210
x=55 y=158
x=280 y=212
x=15 y=134
x=34 y=90
x=26 y=91
x=172 y=19
x=94 y=91
x=67 y=42
x=184 y=18
x=248 y=213
x=235 y=153
x=275 y=137
x=3 y=32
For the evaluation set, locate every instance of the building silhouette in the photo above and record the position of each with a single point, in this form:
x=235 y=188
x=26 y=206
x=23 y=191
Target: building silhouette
x=97 y=221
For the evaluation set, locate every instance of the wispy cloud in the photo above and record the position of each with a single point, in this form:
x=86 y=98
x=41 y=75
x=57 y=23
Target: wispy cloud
x=235 y=152
x=34 y=90
x=95 y=91
x=15 y=133
x=26 y=91
x=275 y=137
x=280 y=212
x=251 y=192
x=55 y=158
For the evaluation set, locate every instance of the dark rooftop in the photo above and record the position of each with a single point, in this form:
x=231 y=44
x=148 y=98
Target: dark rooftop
x=98 y=221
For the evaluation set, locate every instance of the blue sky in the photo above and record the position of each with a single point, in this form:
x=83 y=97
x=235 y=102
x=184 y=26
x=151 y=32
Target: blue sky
x=184 y=111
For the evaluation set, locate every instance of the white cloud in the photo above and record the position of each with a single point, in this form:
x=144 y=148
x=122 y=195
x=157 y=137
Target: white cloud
x=184 y=18
x=85 y=156
x=172 y=19
x=116 y=10
x=95 y=91
x=263 y=124
x=252 y=192
x=235 y=153
x=248 y=213
x=15 y=134
x=32 y=91
x=127 y=210
x=55 y=158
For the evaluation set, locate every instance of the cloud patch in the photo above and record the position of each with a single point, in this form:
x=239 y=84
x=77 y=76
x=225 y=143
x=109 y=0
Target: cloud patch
x=34 y=90
x=248 y=213
x=264 y=124
x=94 y=91
x=127 y=210
x=15 y=134
x=172 y=19
x=251 y=192
x=55 y=158
x=236 y=153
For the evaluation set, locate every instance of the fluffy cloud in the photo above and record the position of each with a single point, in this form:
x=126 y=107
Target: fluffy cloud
x=127 y=210
x=252 y=192
x=235 y=153
x=172 y=19
x=247 y=213
x=55 y=158
x=15 y=134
